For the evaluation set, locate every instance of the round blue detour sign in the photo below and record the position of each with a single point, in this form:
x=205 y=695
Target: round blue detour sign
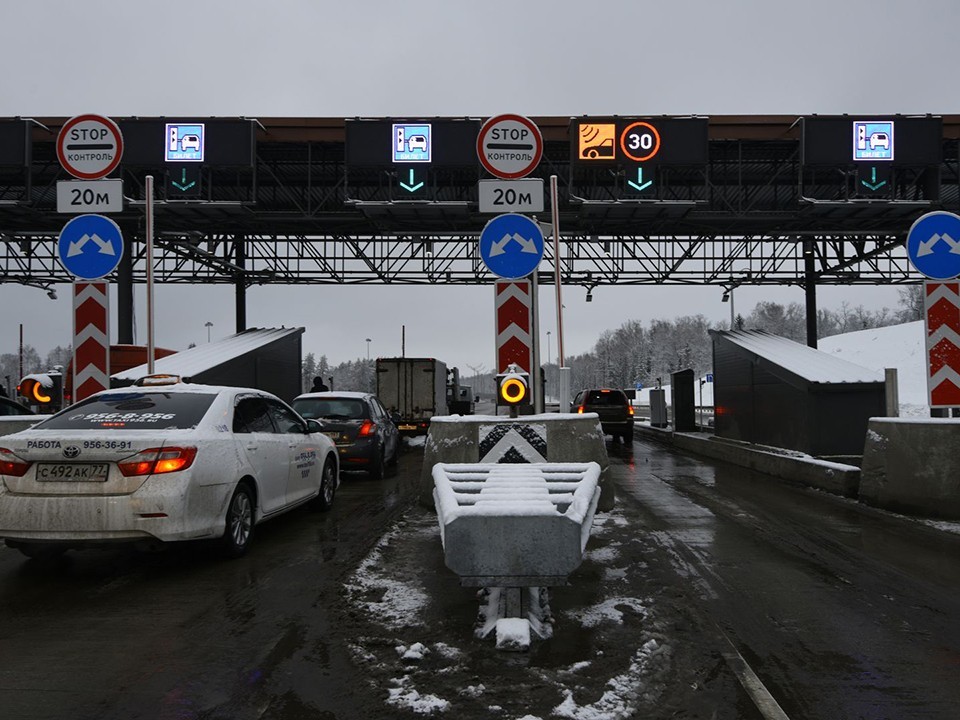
x=511 y=246
x=933 y=245
x=90 y=246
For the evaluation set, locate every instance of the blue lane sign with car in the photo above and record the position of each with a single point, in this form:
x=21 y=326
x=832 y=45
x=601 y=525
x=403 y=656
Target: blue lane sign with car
x=411 y=142
x=511 y=246
x=184 y=142
x=933 y=245
x=90 y=246
x=873 y=140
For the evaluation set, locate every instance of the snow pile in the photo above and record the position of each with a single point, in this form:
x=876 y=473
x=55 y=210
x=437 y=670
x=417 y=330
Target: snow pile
x=405 y=696
x=897 y=346
x=397 y=602
x=626 y=690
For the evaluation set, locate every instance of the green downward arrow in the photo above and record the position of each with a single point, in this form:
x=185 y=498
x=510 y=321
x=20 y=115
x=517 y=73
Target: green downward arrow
x=873 y=184
x=183 y=185
x=640 y=185
x=411 y=187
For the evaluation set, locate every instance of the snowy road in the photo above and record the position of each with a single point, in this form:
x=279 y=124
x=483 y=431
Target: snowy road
x=704 y=579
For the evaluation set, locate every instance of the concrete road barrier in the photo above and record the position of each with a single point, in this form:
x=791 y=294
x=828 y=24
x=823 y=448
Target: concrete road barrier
x=912 y=466
x=515 y=525
x=547 y=438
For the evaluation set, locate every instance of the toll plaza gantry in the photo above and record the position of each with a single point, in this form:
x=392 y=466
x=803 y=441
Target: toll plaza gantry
x=725 y=201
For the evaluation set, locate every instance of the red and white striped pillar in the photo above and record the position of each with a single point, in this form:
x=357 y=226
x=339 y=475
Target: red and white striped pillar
x=91 y=338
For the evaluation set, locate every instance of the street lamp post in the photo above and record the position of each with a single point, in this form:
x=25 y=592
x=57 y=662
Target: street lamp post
x=208 y=325
x=368 y=349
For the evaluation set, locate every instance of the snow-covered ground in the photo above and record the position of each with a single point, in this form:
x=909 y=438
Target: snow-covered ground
x=897 y=346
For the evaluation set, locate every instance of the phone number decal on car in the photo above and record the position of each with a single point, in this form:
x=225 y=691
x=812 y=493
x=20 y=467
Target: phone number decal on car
x=121 y=417
x=107 y=444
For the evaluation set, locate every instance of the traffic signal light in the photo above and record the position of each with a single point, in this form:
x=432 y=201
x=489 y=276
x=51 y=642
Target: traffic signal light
x=37 y=393
x=513 y=387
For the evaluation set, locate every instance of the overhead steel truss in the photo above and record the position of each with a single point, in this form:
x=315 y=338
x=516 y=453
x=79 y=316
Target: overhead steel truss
x=454 y=259
x=753 y=216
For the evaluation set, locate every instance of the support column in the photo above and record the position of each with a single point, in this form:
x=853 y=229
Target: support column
x=810 y=288
x=125 y=289
x=240 y=284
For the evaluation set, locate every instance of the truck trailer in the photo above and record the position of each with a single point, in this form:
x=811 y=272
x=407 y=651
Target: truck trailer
x=414 y=388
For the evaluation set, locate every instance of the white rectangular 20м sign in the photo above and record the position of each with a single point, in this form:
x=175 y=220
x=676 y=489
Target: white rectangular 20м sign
x=503 y=196
x=89 y=196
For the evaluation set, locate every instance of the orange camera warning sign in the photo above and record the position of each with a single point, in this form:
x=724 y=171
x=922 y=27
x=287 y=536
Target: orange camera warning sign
x=597 y=141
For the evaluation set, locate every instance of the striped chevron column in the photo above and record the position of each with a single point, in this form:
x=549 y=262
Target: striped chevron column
x=91 y=339
x=514 y=313
x=942 y=303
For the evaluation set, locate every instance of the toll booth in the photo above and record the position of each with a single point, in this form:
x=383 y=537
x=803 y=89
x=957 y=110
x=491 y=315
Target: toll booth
x=264 y=358
x=684 y=403
x=773 y=391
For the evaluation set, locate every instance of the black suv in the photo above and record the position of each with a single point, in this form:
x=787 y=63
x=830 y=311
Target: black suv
x=613 y=407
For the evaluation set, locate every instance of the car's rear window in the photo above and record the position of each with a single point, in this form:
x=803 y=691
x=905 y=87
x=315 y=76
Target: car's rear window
x=597 y=397
x=135 y=410
x=330 y=408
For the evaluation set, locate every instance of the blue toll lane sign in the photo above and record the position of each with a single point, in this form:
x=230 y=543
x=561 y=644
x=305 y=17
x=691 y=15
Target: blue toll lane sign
x=90 y=246
x=933 y=245
x=412 y=142
x=511 y=246
x=873 y=140
x=184 y=142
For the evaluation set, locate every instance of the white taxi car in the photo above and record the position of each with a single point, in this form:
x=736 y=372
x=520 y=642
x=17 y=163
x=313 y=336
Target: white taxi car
x=161 y=462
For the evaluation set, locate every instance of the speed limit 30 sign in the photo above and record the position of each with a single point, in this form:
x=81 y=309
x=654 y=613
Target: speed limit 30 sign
x=509 y=146
x=640 y=141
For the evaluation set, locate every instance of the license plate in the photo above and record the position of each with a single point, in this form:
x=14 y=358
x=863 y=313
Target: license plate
x=72 y=472
x=406 y=427
x=333 y=435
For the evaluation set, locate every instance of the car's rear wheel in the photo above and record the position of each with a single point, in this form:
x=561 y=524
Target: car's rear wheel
x=377 y=463
x=328 y=487
x=239 y=530
x=628 y=436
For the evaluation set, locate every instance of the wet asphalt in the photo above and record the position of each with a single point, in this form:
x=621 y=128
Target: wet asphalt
x=839 y=611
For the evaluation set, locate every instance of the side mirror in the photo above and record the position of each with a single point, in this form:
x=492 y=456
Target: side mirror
x=314 y=426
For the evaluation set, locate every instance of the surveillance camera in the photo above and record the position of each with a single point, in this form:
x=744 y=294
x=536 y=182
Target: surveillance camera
x=52 y=294
x=589 y=297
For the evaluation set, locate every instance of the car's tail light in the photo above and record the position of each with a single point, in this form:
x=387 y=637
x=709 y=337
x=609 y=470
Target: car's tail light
x=11 y=465
x=630 y=410
x=580 y=410
x=368 y=428
x=156 y=461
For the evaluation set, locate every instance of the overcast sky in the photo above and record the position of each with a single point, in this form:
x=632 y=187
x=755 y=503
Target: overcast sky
x=307 y=58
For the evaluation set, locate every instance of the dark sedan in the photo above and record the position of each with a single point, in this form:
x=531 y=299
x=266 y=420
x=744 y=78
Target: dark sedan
x=364 y=432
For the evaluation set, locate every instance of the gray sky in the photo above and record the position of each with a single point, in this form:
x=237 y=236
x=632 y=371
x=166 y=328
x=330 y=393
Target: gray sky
x=306 y=58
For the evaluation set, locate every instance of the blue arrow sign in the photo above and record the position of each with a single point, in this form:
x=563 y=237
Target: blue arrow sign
x=933 y=245
x=511 y=246
x=90 y=246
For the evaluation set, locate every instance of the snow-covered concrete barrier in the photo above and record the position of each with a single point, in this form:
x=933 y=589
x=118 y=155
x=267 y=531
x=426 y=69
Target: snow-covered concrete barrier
x=547 y=438
x=515 y=525
x=912 y=465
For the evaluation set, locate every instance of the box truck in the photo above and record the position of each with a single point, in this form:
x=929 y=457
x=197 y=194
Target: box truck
x=414 y=388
